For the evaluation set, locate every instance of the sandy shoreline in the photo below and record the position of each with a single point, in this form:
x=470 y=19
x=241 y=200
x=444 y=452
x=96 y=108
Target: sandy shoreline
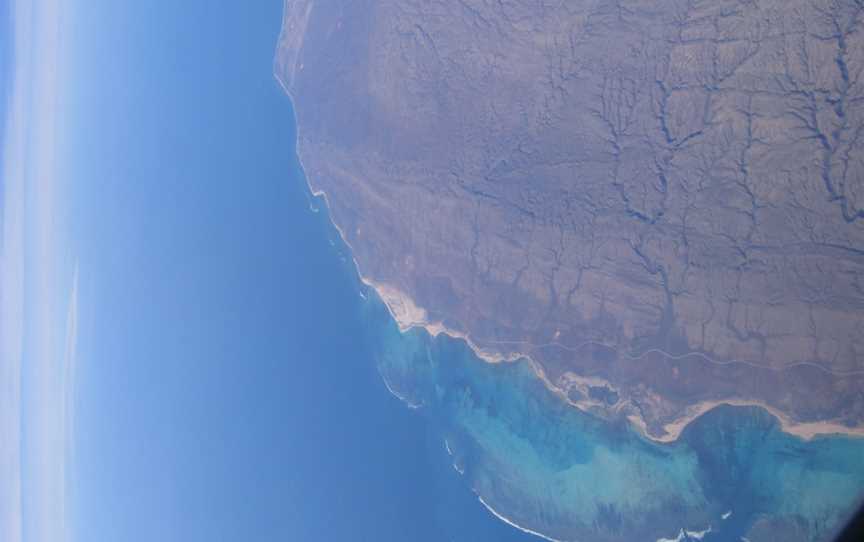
x=804 y=430
x=408 y=315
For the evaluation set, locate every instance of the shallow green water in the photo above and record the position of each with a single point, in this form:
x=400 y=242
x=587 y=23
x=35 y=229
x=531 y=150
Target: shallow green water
x=570 y=476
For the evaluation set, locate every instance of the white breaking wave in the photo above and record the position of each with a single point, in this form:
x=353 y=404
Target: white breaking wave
x=698 y=535
x=687 y=535
x=450 y=453
x=678 y=538
x=399 y=396
x=515 y=526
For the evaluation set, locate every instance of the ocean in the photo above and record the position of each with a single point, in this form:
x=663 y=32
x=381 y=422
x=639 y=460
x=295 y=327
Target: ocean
x=555 y=470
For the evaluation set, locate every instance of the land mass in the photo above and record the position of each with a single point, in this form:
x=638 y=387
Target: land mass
x=659 y=204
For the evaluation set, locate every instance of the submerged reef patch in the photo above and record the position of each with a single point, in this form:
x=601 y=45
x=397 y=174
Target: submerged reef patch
x=568 y=475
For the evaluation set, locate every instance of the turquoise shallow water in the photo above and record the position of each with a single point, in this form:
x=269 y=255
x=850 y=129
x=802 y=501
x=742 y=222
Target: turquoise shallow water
x=571 y=476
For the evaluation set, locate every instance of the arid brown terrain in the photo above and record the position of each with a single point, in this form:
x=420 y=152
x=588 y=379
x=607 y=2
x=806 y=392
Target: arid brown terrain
x=660 y=202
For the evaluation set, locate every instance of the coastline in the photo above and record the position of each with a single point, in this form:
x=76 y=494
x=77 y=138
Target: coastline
x=514 y=525
x=803 y=430
x=408 y=316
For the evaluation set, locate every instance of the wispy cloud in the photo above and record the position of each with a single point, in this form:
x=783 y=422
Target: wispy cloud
x=12 y=276
x=11 y=337
x=35 y=369
x=70 y=357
